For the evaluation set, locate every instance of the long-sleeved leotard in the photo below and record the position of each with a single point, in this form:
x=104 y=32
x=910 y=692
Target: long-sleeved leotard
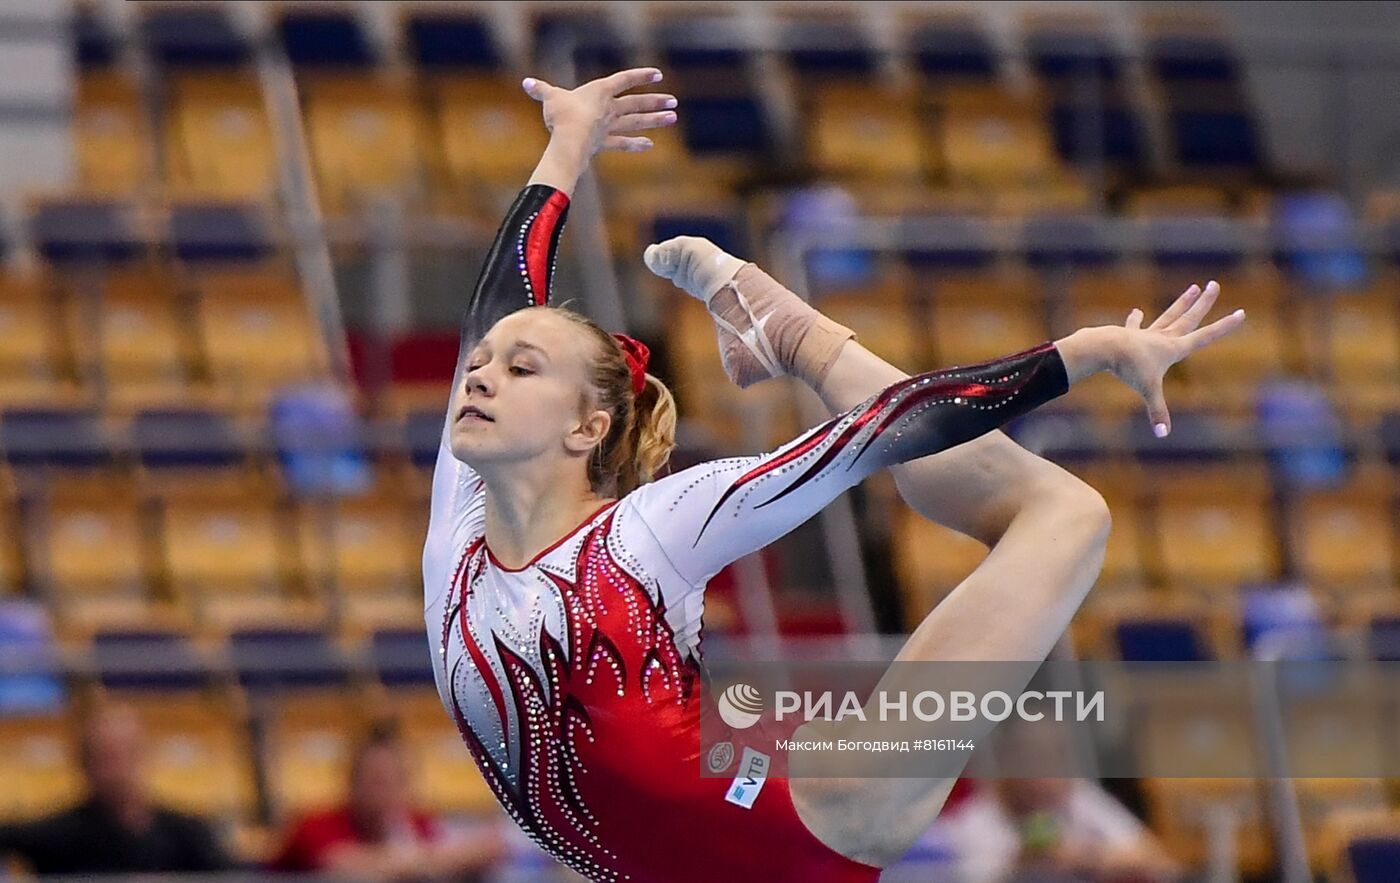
x=575 y=680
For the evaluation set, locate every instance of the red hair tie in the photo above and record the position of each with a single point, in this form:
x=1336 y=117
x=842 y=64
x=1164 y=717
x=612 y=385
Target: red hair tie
x=637 y=355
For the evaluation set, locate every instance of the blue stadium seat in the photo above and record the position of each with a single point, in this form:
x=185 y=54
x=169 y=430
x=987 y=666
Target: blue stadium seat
x=96 y=45
x=1073 y=56
x=719 y=230
x=1064 y=436
x=1388 y=432
x=194 y=36
x=1196 y=59
x=452 y=41
x=1196 y=437
x=961 y=244
x=219 y=232
x=423 y=435
x=592 y=37
x=725 y=124
x=1216 y=138
x=1066 y=242
x=1191 y=241
x=1160 y=640
x=278 y=658
x=187 y=437
x=1304 y=437
x=1383 y=638
x=325 y=37
x=81 y=231
x=1086 y=133
x=402 y=657
x=1316 y=240
x=148 y=660
x=826 y=48
x=54 y=437
x=942 y=52
x=1374 y=859
x=699 y=45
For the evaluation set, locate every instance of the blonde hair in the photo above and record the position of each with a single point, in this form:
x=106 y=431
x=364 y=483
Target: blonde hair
x=643 y=430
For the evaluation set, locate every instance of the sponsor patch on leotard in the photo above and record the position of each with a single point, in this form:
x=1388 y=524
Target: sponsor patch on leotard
x=753 y=772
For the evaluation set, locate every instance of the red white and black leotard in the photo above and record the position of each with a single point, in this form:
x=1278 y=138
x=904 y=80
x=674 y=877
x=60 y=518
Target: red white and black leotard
x=575 y=680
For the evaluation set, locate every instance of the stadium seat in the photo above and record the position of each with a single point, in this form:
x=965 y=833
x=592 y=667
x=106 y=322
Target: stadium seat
x=365 y=141
x=220 y=233
x=309 y=738
x=826 y=43
x=403 y=656
x=258 y=333
x=483 y=132
x=929 y=561
x=194 y=37
x=219 y=141
x=1344 y=539
x=324 y=37
x=198 y=755
x=143 y=352
x=1183 y=812
x=228 y=558
x=975 y=318
x=39 y=765
x=92 y=551
x=451 y=40
x=1216 y=534
x=949 y=47
x=148 y=657
x=995 y=140
x=289 y=653
x=112 y=138
x=446 y=778
x=369 y=550
x=11 y=559
x=856 y=131
x=880 y=314
x=82 y=233
x=1364 y=845
x=30 y=348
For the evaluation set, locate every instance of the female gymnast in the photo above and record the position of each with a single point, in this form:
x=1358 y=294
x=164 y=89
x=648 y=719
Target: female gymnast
x=564 y=587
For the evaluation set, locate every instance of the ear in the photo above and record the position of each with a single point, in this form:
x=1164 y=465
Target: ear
x=589 y=433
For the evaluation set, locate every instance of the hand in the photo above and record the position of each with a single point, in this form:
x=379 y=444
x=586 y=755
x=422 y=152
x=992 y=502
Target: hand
x=1141 y=356
x=597 y=116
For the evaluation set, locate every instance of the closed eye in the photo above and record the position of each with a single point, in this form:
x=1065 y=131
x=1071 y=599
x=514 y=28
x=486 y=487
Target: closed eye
x=520 y=371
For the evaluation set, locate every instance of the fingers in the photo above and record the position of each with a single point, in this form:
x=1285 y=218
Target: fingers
x=1214 y=331
x=1197 y=311
x=646 y=103
x=1134 y=322
x=625 y=144
x=536 y=88
x=1178 y=307
x=640 y=122
x=630 y=79
x=1157 y=410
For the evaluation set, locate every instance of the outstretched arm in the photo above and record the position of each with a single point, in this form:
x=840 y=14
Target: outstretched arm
x=734 y=507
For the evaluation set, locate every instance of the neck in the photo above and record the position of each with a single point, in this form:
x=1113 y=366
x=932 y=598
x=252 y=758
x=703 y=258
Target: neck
x=528 y=513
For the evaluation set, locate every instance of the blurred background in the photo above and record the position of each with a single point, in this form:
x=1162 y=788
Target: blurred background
x=237 y=238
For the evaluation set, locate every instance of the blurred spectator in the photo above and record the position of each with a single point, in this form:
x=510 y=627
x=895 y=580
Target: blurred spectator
x=117 y=829
x=1045 y=830
x=378 y=834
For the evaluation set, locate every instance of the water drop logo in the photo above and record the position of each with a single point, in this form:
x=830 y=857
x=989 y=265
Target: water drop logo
x=740 y=706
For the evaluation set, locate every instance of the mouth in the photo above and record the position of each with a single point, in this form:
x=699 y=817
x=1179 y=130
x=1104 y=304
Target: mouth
x=472 y=412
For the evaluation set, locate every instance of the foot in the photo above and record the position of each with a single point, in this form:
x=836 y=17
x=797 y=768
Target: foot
x=764 y=329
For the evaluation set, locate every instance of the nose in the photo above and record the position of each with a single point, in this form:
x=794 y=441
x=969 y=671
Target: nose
x=478 y=382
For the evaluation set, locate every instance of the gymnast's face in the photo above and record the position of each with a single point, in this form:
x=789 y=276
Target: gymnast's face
x=526 y=395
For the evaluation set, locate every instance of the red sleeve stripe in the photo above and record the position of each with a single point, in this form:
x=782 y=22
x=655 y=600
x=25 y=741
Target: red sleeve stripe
x=541 y=242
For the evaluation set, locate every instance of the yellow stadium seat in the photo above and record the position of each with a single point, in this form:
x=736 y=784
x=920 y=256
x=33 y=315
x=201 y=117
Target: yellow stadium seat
x=1180 y=811
x=930 y=560
x=29 y=343
x=93 y=551
x=881 y=317
x=1353 y=340
x=974 y=323
x=198 y=753
x=364 y=140
x=1178 y=199
x=112 y=139
x=994 y=139
x=258 y=333
x=1105 y=298
x=11 y=560
x=369 y=549
x=310 y=738
x=219 y=141
x=229 y=557
x=1320 y=801
x=862 y=131
x=39 y=766
x=143 y=344
x=484 y=132
x=446 y=778
x=1343 y=828
x=1344 y=540
x=1215 y=533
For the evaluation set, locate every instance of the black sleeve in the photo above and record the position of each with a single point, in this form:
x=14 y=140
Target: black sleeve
x=519 y=268
x=38 y=842
x=200 y=847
